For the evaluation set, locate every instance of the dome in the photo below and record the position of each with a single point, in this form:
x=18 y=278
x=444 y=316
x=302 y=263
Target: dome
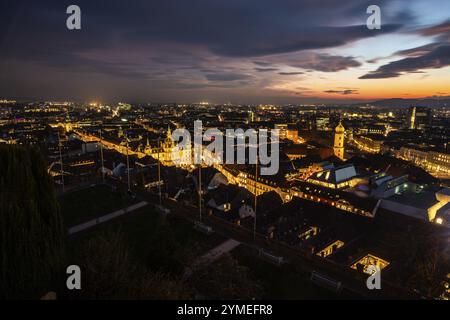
x=340 y=128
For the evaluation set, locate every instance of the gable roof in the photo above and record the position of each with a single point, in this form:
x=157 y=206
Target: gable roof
x=335 y=175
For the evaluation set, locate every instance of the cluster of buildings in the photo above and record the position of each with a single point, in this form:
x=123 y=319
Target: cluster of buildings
x=335 y=183
x=432 y=159
x=348 y=164
x=318 y=168
x=421 y=140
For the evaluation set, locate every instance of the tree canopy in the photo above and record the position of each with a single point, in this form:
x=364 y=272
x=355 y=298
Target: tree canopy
x=31 y=229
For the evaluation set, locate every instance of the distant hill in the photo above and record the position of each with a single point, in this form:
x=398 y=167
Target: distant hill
x=425 y=102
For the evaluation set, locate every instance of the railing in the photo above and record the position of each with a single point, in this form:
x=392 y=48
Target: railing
x=203 y=228
x=326 y=282
x=271 y=258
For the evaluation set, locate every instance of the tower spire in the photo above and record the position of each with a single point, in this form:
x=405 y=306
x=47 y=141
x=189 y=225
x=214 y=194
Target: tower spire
x=339 y=136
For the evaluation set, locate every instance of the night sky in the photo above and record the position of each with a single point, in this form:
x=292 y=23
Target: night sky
x=238 y=51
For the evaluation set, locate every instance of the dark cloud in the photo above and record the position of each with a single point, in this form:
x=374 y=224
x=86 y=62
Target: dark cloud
x=434 y=55
x=441 y=32
x=436 y=30
x=418 y=51
x=436 y=58
x=290 y=73
x=324 y=62
x=235 y=28
x=306 y=38
x=343 y=92
x=262 y=63
x=175 y=39
x=226 y=76
x=266 y=69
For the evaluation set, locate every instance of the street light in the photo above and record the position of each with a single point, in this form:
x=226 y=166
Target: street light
x=200 y=185
x=256 y=193
x=101 y=155
x=159 y=172
x=128 y=164
x=61 y=162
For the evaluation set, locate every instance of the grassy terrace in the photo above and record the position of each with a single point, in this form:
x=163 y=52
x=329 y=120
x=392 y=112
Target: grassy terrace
x=285 y=282
x=169 y=243
x=83 y=205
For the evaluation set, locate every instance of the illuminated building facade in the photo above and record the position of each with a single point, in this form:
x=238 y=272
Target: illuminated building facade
x=367 y=144
x=436 y=162
x=419 y=118
x=322 y=123
x=369 y=260
x=330 y=249
x=292 y=134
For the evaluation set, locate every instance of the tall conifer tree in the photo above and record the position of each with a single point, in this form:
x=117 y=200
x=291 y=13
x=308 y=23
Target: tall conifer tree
x=31 y=229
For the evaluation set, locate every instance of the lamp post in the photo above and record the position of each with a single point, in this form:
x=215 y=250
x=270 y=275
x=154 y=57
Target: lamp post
x=61 y=163
x=200 y=190
x=101 y=156
x=128 y=165
x=256 y=195
x=159 y=172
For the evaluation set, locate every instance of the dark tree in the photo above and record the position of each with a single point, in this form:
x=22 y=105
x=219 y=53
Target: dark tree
x=226 y=279
x=110 y=271
x=31 y=229
x=164 y=249
x=430 y=266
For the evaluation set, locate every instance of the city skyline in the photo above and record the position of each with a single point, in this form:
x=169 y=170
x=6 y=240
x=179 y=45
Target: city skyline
x=355 y=189
x=238 y=152
x=302 y=52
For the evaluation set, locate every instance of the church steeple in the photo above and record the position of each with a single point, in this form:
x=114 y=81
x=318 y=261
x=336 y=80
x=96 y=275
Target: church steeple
x=168 y=142
x=147 y=144
x=339 y=141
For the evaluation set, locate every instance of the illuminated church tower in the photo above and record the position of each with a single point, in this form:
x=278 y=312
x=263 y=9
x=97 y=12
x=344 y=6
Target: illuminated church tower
x=339 y=141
